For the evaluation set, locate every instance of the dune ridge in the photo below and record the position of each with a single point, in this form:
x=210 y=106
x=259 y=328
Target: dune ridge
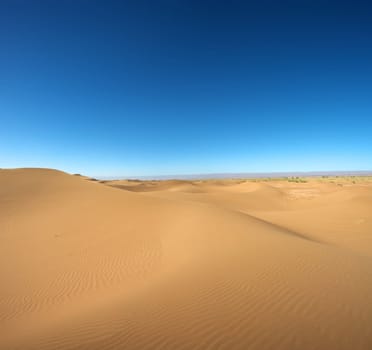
x=212 y=264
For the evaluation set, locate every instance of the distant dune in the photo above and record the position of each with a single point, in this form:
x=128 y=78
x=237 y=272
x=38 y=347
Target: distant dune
x=204 y=264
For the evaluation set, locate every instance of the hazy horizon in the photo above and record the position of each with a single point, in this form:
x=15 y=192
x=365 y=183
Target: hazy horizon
x=226 y=175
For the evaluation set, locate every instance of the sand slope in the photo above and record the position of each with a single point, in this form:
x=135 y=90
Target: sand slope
x=183 y=264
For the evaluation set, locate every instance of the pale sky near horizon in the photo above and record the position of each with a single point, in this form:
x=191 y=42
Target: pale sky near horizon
x=123 y=88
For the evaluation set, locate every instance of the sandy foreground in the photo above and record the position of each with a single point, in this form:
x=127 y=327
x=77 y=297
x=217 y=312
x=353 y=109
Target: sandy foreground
x=213 y=264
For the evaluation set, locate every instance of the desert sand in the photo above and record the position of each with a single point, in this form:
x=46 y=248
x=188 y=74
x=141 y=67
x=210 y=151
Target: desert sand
x=212 y=264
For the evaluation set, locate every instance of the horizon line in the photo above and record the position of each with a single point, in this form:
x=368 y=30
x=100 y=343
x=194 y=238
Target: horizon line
x=217 y=175
x=237 y=175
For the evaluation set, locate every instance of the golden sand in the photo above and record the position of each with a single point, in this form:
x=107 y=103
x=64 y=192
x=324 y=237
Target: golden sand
x=214 y=264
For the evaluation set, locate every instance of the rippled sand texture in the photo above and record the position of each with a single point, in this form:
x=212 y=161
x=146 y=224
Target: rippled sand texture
x=214 y=264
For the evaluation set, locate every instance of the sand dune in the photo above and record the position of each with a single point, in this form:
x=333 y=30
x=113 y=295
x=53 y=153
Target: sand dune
x=213 y=264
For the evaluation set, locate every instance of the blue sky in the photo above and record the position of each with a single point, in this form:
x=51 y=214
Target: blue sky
x=180 y=87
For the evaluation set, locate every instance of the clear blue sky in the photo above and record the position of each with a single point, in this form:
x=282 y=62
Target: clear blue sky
x=179 y=87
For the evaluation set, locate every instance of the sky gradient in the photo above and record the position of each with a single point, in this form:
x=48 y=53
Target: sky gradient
x=112 y=88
